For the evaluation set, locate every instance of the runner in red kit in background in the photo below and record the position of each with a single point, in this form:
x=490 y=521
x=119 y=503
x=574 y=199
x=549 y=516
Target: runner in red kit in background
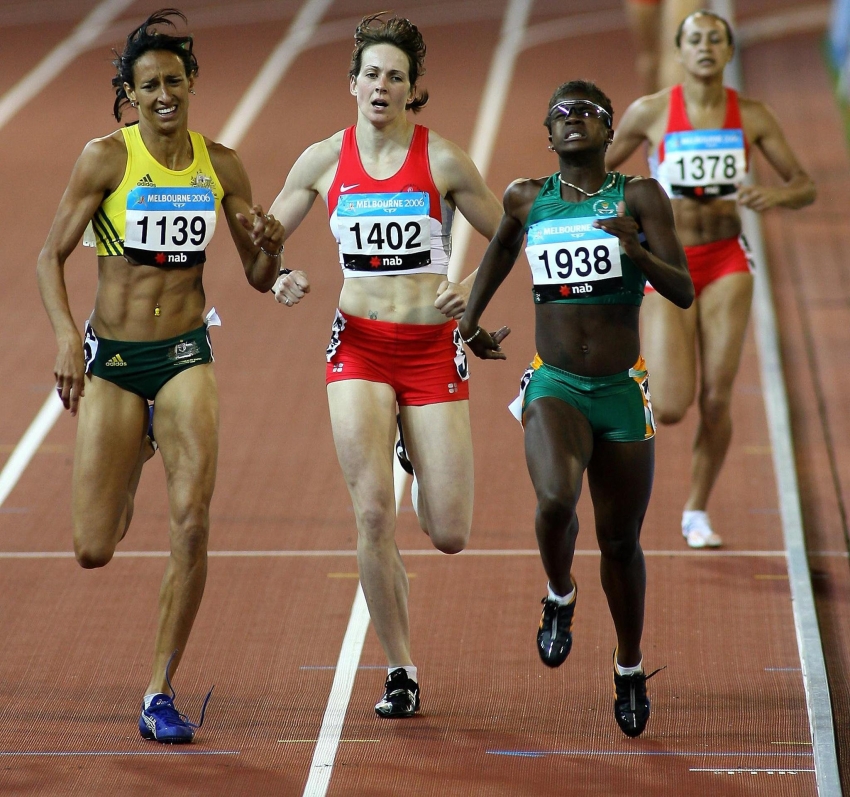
x=700 y=135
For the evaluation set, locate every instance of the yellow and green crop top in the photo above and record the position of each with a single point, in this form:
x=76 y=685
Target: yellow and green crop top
x=156 y=216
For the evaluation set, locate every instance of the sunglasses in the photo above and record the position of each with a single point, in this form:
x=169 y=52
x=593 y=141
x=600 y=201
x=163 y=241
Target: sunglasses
x=582 y=109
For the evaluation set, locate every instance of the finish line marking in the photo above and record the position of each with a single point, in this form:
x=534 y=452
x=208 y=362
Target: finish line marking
x=661 y=753
x=113 y=753
x=483 y=552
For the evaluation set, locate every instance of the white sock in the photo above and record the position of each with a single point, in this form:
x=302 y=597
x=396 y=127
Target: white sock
x=410 y=669
x=693 y=515
x=148 y=699
x=561 y=601
x=628 y=670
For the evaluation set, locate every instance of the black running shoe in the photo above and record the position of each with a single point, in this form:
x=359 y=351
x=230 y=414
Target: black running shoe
x=631 y=704
x=401 y=451
x=401 y=696
x=555 y=633
x=150 y=427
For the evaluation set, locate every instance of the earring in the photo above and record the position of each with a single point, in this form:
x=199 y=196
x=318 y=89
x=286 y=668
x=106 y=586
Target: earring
x=191 y=91
x=551 y=148
x=132 y=104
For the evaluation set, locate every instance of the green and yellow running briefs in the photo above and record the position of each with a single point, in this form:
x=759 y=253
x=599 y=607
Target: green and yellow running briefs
x=618 y=407
x=143 y=367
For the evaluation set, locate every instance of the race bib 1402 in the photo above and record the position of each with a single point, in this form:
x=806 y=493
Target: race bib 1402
x=384 y=232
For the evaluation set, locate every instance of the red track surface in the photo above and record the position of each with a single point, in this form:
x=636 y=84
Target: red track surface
x=77 y=644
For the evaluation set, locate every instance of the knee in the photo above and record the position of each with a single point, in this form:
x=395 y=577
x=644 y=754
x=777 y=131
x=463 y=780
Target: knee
x=91 y=555
x=555 y=513
x=714 y=406
x=452 y=540
x=668 y=415
x=190 y=536
x=621 y=550
x=375 y=523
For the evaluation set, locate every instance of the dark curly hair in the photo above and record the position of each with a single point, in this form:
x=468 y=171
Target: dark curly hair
x=143 y=40
x=585 y=87
x=401 y=33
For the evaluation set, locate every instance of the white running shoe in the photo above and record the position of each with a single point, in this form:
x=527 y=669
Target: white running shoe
x=697 y=531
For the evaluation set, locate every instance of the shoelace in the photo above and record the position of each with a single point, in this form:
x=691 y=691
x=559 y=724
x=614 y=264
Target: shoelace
x=553 y=612
x=180 y=714
x=633 y=681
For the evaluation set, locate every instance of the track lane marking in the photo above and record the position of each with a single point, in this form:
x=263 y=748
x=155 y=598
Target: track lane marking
x=809 y=644
x=324 y=754
x=471 y=552
x=28 y=87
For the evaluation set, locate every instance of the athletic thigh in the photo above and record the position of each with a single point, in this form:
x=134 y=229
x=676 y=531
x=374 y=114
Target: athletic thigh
x=668 y=341
x=724 y=311
x=620 y=479
x=111 y=426
x=186 y=429
x=363 y=423
x=439 y=443
x=558 y=446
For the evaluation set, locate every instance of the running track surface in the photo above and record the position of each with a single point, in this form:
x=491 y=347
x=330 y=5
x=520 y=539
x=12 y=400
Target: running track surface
x=729 y=712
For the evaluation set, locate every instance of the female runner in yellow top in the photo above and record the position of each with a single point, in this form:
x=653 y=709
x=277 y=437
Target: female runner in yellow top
x=152 y=192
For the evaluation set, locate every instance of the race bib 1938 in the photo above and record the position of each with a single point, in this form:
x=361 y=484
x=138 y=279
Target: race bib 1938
x=571 y=258
x=384 y=232
x=168 y=226
x=703 y=162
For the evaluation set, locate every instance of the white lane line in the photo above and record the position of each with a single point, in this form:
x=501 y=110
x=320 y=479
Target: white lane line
x=29 y=443
x=321 y=767
x=481 y=552
x=808 y=19
x=490 y=113
x=107 y=753
x=779 y=424
x=63 y=54
x=297 y=37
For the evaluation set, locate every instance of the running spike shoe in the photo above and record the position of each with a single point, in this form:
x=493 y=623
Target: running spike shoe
x=555 y=633
x=401 y=696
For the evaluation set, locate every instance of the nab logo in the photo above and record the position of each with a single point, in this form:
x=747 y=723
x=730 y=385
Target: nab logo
x=585 y=288
x=177 y=257
x=391 y=261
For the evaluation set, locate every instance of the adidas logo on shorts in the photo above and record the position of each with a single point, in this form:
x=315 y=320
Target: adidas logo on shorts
x=117 y=360
x=337 y=368
x=453 y=388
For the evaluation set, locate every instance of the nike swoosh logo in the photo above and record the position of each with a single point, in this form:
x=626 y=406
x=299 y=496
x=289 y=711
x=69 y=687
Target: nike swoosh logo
x=345 y=187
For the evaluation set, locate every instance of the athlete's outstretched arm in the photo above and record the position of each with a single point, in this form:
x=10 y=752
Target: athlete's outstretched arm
x=97 y=171
x=663 y=258
x=632 y=130
x=798 y=189
x=293 y=203
x=478 y=204
x=497 y=263
x=257 y=235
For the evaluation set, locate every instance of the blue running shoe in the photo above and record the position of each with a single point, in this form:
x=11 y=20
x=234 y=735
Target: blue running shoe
x=162 y=722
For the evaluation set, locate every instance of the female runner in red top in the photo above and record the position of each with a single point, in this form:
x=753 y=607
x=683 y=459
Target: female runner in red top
x=699 y=135
x=391 y=188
